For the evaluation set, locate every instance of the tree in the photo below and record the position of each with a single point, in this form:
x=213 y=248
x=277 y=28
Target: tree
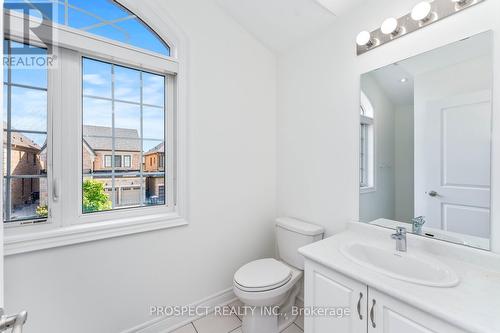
x=94 y=197
x=42 y=211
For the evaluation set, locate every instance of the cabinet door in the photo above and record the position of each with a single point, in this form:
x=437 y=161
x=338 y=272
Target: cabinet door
x=342 y=302
x=388 y=315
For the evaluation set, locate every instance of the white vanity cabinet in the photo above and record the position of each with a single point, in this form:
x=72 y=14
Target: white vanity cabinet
x=370 y=310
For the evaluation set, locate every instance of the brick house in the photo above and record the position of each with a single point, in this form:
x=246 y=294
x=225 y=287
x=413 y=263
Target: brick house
x=27 y=159
x=97 y=161
x=154 y=161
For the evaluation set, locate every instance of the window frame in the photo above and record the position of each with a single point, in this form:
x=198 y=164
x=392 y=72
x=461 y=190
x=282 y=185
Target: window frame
x=367 y=147
x=67 y=225
x=119 y=156
x=10 y=131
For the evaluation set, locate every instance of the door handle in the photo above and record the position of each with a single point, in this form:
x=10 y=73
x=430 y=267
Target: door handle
x=372 y=314
x=15 y=322
x=359 y=306
x=433 y=194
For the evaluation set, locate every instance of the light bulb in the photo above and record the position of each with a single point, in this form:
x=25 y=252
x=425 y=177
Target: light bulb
x=421 y=11
x=390 y=26
x=364 y=38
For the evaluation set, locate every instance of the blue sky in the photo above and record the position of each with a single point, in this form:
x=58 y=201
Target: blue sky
x=127 y=88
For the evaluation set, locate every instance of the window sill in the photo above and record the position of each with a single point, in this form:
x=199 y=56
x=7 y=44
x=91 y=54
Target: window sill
x=89 y=232
x=363 y=190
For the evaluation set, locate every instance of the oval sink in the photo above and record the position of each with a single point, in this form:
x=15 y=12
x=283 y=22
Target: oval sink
x=410 y=267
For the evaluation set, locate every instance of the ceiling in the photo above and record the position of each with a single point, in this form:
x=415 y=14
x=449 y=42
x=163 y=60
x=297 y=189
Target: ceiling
x=389 y=77
x=279 y=24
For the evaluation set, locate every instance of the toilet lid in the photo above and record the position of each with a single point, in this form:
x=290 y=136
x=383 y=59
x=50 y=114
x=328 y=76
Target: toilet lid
x=264 y=274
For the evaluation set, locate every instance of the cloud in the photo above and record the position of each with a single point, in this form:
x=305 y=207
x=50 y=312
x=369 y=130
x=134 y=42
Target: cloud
x=94 y=79
x=29 y=109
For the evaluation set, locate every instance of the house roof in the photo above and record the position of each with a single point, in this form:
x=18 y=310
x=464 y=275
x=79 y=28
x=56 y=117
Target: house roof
x=21 y=140
x=157 y=149
x=100 y=138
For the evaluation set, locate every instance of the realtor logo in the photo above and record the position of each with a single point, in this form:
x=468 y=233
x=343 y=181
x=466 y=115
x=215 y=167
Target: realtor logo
x=30 y=25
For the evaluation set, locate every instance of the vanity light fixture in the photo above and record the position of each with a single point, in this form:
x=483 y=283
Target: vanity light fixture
x=422 y=12
x=422 y=15
x=391 y=27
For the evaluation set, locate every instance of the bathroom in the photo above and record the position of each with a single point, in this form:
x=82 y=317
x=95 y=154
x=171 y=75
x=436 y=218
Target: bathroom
x=262 y=134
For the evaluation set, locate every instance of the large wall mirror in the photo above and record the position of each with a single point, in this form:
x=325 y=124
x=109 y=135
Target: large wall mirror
x=425 y=139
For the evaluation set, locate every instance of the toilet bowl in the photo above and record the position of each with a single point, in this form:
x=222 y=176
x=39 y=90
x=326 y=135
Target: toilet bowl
x=269 y=287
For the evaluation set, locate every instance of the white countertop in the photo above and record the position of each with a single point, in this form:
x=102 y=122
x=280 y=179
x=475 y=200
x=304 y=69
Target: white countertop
x=473 y=305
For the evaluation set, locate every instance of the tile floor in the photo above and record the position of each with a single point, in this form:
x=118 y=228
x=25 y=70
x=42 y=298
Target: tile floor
x=229 y=324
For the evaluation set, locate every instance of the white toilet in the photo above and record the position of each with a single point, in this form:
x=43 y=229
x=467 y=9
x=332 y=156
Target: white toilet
x=268 y=284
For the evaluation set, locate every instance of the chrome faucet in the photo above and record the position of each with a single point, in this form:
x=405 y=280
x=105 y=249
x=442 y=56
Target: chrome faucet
x=15 y=323
x=417 y=224
x=400 y=237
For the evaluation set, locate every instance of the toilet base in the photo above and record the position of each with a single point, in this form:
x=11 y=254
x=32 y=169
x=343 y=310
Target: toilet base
x=260 y=320
x=271 y=319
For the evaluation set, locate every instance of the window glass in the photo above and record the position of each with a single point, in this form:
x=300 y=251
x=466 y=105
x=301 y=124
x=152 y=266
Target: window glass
x=127 y=84
x=97 y=79
x=124 y=127
x=107 y=161
x=25 y=142
x=127 y=161
x=107 y=19
x=118 y=161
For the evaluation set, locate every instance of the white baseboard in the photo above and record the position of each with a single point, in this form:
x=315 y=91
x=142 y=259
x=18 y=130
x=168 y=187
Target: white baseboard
x=170 y=324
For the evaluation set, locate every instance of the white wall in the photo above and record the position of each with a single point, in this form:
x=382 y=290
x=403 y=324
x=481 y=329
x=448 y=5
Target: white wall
x=404 y=165
x=318 y=101
x=108 y=286
x=379 y=202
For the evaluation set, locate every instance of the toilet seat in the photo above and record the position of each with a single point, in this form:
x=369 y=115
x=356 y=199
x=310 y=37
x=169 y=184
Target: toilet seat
x=262 y=275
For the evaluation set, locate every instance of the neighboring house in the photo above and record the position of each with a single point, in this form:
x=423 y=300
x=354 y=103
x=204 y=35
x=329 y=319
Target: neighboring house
x=154 y=161
x=98 y=161
x=27 y=158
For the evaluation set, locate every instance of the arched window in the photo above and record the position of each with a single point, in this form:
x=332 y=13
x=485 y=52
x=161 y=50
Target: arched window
x=105 y=18
x=89 y=92
x=367 y=146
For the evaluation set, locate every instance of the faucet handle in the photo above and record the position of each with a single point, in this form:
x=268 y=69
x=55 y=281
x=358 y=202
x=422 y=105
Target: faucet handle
x=400 y=233
x=419 y=221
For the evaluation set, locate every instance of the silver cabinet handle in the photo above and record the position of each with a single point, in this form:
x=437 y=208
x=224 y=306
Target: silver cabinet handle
x=359 y=306
x=372 y=314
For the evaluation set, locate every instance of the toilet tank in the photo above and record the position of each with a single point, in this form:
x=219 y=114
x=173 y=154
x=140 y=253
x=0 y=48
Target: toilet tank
x=292 y=234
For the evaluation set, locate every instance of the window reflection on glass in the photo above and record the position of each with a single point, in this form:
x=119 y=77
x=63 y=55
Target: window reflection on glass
x=122 y=135
x=25 y=142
